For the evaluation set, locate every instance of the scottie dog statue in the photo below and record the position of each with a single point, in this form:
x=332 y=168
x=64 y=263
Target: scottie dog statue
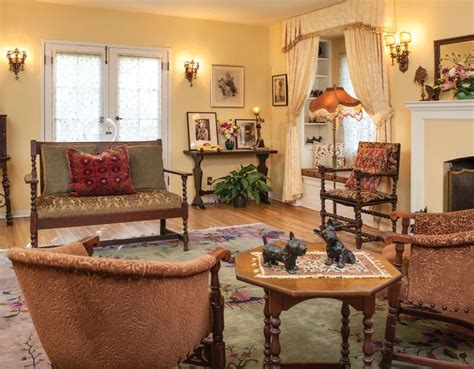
x=334 y=247
x=287 y=255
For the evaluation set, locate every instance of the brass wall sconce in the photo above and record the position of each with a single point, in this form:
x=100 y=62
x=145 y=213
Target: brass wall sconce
x=399 y=50
x=259 y=119
x=190 y=71
x=16 y=60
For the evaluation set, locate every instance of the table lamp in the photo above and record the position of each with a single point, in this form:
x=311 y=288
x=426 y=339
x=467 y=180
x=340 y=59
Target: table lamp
x=256 y=112
x=333 y=104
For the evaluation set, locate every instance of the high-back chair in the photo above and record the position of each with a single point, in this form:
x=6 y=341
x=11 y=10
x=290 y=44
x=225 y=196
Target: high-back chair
x=374 y=161
x=437 y=263
x=96 y=313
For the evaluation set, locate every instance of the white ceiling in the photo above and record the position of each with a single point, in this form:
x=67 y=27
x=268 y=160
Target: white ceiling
x=262 y=12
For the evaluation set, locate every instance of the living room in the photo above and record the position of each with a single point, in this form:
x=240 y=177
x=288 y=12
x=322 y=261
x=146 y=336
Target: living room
x=248 y=89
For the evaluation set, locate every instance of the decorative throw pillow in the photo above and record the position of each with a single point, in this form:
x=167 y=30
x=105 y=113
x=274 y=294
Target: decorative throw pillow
x=55 y=166
x=322 y=155
x=107 y=173
x=371 y=160
x=146 y=166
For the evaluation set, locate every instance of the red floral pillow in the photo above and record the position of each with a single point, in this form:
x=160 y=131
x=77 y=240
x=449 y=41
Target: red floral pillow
x=107 y=173
x=371 y=160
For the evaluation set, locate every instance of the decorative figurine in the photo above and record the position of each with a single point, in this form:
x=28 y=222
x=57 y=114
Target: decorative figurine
x=287 y=255
x=334 y=247
x=314 y=139
x=433 y=92
x=421 y=75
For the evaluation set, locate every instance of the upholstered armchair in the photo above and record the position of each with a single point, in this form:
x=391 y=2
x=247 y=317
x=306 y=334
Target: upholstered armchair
x=96 y=313
x=374 y=161
x=437 y=263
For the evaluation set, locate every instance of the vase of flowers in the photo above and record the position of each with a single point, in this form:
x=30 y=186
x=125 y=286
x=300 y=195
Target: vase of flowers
x=229 y=130
x=459 y=76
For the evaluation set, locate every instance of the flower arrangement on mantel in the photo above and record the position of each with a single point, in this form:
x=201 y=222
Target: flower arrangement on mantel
x=229 y=130
x=459 y=77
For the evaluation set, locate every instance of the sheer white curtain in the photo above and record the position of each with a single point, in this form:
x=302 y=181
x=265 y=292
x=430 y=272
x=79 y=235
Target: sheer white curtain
x=301 y=64
x=353 y=130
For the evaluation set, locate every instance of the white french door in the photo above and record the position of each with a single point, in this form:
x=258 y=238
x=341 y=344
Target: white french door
x=98 y=92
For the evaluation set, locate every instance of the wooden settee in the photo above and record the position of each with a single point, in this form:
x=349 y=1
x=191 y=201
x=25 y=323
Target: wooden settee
x=54 y=208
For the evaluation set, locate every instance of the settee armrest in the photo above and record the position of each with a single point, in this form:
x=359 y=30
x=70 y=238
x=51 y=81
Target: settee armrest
x=220 y=254
x=179 y=173
x=30 y=179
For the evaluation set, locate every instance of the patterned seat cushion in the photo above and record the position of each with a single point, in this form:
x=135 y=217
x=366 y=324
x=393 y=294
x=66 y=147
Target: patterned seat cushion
x=349 y=194
x=62 y=205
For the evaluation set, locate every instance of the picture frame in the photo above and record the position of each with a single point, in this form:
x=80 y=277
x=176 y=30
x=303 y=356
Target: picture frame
x=247 y=138
x=202 y=129
x=280 y=90
x=227 y=86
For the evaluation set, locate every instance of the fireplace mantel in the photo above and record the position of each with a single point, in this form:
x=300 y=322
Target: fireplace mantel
x=433 y=112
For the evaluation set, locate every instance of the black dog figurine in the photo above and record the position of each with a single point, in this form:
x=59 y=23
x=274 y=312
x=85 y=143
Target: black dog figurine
x=287 y=255
x=334 y=247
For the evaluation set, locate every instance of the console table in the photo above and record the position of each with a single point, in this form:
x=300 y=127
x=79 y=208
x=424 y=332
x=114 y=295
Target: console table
x=198 y=157
x=4 y=158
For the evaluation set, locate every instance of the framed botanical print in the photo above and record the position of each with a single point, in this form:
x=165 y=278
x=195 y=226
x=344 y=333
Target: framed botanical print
x=247 y=138
x=227 y=86
x=202 y=128
x=280 y=90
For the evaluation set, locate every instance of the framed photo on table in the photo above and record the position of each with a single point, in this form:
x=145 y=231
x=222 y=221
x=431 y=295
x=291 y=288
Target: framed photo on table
x=280 y=90
x=227 y=86
x=202 y=129
x=247 y=138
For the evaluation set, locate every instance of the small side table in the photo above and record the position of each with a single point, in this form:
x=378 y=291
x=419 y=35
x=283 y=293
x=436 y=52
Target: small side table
x=198 y=157
x=283 y=294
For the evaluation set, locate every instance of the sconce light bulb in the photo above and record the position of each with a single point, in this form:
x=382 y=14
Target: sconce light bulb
x=389 y=40
x=405 y=37
x=256 y=110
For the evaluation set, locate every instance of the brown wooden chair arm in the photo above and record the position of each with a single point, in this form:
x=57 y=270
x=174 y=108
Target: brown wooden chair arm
x=323 y=169
x=360 y=174
x=394 y=215
x=221 y=253
x=177 y=172
x=30 y=179
x=392 y=237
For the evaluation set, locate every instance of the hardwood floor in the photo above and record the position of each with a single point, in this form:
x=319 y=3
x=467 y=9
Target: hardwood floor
x=279 y=215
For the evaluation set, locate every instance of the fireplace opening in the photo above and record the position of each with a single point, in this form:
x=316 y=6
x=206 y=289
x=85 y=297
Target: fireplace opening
x=459 y=184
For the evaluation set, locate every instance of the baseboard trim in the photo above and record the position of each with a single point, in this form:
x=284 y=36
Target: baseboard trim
x=17 y=214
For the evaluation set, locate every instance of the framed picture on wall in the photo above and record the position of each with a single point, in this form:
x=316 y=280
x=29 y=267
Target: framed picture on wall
x=202 y=129
x=247 y=138
x=227 y=86
x=280 y=90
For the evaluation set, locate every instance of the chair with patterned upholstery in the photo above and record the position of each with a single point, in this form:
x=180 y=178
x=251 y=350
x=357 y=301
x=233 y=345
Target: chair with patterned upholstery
x=436 y=262
x=100 y=313
x=373 y=162
x=56 y=208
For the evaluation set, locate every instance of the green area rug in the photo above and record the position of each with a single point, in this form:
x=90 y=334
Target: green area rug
x=310 y=331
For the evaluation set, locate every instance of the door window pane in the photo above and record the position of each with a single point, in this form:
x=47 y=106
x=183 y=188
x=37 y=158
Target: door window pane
x=138 y=98
x=77 y=99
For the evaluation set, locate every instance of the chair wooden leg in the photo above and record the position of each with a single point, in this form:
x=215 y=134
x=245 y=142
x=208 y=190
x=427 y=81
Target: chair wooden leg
x=185 y=234
x=323 y=213
x=33 y=232
x=394 y=221
x=391 y=323
x=358 y=226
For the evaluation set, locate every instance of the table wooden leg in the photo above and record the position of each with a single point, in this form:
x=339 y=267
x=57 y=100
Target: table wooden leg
x=267 y=334
x=390 y=325
x=275 y=311
x=197 y=175
x=262 y=168
x=6 y=191
x=345 y=331
x=368 y=347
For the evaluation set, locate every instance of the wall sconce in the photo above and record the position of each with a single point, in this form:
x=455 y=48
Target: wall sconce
x=16 y=60
x=190 y=71
x=399 y=51
x=256 y=112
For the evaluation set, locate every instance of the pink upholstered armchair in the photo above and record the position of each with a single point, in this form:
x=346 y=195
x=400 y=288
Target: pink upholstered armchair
x=94 y=313
x=437 y=263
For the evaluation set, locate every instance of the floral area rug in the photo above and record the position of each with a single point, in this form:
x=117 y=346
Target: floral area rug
x=310 y=331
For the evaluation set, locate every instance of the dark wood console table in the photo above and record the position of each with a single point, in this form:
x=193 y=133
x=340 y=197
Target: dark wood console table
x=198 y=157
x=4 y=158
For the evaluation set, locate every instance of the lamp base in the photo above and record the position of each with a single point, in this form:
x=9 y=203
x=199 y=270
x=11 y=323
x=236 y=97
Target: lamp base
x=260 y=144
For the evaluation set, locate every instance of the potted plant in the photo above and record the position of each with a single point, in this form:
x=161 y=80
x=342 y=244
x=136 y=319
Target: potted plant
x=229 y=130
x=239 y=186
x=459 y=76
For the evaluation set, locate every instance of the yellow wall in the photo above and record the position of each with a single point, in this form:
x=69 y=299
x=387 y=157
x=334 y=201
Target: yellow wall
x=338 y=47
x=25 y=23
x=440 y=147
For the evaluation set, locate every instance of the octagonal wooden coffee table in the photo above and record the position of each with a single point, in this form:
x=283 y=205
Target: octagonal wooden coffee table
x=283 y=292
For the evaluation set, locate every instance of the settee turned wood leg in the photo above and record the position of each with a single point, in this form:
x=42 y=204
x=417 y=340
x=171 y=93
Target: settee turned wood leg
x=185 y=234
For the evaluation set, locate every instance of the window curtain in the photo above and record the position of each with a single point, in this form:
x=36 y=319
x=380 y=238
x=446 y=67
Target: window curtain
x=301 y=66
x=368 y=71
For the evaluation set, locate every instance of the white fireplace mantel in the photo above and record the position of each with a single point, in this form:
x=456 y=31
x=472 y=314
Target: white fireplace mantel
x=421 y=112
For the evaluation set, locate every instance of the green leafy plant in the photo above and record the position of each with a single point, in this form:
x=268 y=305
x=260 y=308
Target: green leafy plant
x=247 y=183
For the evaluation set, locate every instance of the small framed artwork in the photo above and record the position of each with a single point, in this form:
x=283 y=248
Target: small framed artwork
x=202 y=128
x=247 y=138
x=280 y=90
x=227 y=86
